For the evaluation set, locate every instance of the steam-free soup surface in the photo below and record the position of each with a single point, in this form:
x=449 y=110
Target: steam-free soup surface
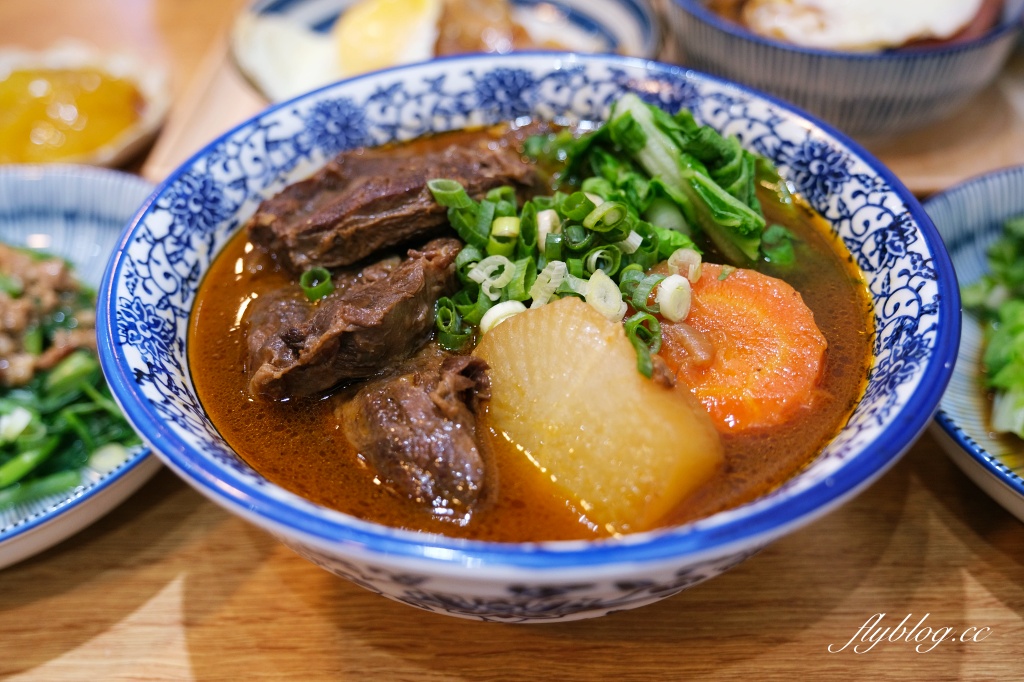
x=300 y=444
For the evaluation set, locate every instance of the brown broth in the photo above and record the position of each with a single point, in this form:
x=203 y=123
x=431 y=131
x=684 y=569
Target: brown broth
x=300 y=445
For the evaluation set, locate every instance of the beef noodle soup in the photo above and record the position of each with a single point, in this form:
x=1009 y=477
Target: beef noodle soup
x=341 y=343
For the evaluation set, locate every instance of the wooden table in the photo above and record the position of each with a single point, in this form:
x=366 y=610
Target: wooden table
x=170 y=587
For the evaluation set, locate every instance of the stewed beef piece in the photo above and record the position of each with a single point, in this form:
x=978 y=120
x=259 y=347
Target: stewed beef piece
x=416 y=427
x=369 y=199
x=298 y=349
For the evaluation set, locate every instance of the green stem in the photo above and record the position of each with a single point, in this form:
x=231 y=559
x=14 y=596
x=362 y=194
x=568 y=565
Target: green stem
x=22 y=463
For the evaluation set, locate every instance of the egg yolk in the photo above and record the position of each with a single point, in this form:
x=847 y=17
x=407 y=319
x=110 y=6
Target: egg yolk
x=59 y=114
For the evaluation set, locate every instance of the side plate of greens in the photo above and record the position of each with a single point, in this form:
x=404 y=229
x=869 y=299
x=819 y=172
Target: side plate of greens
x=981 y=417
x=76 y=459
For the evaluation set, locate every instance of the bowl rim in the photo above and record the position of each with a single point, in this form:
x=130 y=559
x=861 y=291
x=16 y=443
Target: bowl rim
x=751 y=525
x=943 y=419
x=699 y=10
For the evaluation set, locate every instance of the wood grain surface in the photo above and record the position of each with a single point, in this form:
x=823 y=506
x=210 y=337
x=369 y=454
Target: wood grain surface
x=171 y=587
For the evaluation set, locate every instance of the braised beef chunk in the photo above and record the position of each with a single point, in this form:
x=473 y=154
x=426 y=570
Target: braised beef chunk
x=417 y=428
x=368 y=199
x=302 y=350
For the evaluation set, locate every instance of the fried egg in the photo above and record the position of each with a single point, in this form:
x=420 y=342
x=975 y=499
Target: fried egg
x=284 y=57
x=858 y=25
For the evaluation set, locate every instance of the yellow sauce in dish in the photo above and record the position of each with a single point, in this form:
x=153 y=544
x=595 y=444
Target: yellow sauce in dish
x=49 y=115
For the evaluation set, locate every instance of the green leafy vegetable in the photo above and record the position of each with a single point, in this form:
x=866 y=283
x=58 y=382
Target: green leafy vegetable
x=777 y=245
x=52 y=425
x=648 y=183
x=998 y=301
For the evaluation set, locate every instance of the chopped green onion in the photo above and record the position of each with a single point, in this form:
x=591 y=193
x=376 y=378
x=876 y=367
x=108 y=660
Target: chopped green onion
x=575 y=266
x=499 y=314
x=629 y=278
x=503 y=209
x=606 y=216
x=504 y=232
x=606 y=258
x=547 y=282
x=467 y=259
x=576 y=237
x=673 y=297
x=604 y=296
x=644 y=331
x=646 y=328
x=543 y=203
x=553 y=247
x=522 y=280
x=316 y=283
x=631 y=243
x=452 y=335
x=647 y=254
x=642 y=293
x=572 y=285
x=473 y=223
x=548 y=222
x=644 y=363
x=449 y=193
x=503 y=193
x=596 y=186
x=528 y=232
x=577 y=206
x=471 y=304
x=492 y=274
x=686 y=262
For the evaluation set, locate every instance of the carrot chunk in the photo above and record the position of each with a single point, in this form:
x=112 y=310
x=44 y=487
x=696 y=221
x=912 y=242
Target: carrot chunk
x=767 y=355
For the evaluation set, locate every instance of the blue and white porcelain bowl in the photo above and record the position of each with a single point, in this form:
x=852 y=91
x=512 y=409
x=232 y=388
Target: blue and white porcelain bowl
x=150 y=285
x=863 y=94
x=77 y=213
x=285 y=47
x=970 y=217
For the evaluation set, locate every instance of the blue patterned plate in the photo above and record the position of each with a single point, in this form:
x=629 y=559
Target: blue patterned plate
x=969 y=217
x=285 y=48
x=76 y=212
x=150 y=285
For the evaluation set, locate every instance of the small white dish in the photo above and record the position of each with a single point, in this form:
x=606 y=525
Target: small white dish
x=284 y=47
x=150 y=79
x=76 y=212
x=866 y=94
x=969 y=217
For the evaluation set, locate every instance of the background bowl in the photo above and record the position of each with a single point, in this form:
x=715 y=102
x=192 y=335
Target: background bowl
x=970 y=217
x=878 y=93
x=77 y=213
x=150 y=283
x=266 y=35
